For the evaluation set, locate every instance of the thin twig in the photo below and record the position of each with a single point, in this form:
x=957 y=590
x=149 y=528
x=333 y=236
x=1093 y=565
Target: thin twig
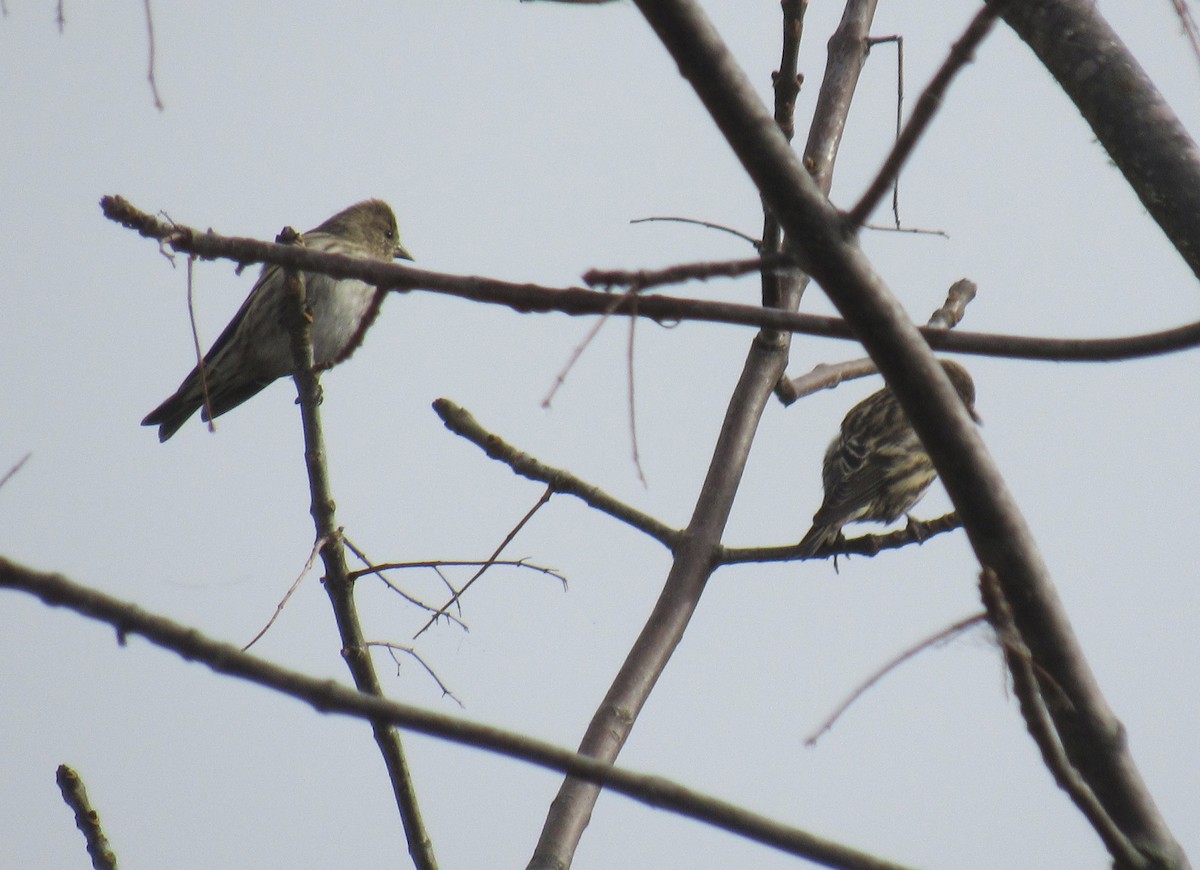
x=927 y=106
x=457 y=563
x=8 y=475
x=158 y=104
x=393 y=648
x=1187 y=23
x=378 y=570
x=633 y=439
x=461 y=423
x=682 y=220
x=645 y=278
x=899 y=41
x=308 y=564
x=200 y=367
x=919 y=231
x=577 y=352
x=457 y=596
x=86 y=818
x=931 y=641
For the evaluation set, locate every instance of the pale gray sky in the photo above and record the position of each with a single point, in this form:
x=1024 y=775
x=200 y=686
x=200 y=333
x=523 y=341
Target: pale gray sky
x=517 y=141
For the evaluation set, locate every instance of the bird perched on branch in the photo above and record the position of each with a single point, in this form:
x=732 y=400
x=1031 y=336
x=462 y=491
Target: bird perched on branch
x=876 y=468
x=254 y=349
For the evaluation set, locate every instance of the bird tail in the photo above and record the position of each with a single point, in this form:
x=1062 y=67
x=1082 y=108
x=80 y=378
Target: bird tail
x=818 y=538
x=175 y=411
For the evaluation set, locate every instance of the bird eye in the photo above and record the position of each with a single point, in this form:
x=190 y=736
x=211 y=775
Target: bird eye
x=389 y=234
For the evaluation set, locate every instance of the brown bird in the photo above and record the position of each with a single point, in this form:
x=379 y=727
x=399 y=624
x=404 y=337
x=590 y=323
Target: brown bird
x=254 y=348
x=876 y=469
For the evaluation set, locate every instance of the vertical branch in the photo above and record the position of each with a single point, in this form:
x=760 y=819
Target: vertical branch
x=679 y=24
x=1003 y=541
x=338 y=584
x=787 y=81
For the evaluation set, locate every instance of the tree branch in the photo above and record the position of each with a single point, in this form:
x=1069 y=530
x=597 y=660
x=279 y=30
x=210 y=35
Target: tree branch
x=86 y=818
x=577 y=301
x=998 y=532
x=916 y=532
x=459 y=421
x=695 y=554
x=1129 y=116
x=326 y=696
x=338 y=584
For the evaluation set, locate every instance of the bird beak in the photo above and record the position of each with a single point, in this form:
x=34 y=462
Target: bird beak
x=401 y=254
x=975 y=416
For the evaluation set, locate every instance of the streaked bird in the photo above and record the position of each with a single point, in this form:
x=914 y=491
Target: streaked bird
x=254 y=349
x=876 y=468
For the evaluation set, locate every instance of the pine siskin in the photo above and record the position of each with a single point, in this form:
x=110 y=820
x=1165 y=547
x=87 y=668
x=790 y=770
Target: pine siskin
x=254 y=349
x=876 y=468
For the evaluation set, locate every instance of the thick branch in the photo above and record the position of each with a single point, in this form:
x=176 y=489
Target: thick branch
x=327 y=696
x=695 y=556
x=998 y=532
x=1129 y=116
x=578 y=301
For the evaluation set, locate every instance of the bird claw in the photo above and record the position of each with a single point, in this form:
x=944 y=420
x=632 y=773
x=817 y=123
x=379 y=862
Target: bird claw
x=916 y=528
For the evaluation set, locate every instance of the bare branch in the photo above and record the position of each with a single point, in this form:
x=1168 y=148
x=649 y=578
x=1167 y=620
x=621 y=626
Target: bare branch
x=158 y=104
x=916 y=532
x=998 y=532
x=86 y=818
x=326 y=696
x=934 y=640
x=337 y=581
x=644 y=278
x=579 y=301
x=454 y=599
x=378 y=570
x=308 y=564
x=825 y=376
x=200 y=366
x=1041 y=726
x=709 y=224
x=1129 y=116
x=460 y=422
x=700 y=56
x=927 y=106
x=8 y=475
x=394 y=648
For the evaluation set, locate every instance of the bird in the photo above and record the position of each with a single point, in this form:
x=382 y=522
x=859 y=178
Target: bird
x=254 y=349
x=876 y=469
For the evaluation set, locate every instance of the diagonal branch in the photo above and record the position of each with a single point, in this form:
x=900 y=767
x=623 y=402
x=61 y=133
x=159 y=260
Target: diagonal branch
x=998 y=532
x=459 y=421
x=327 y=696
x=338 y=584
x=695 y=554
x=1130 y=118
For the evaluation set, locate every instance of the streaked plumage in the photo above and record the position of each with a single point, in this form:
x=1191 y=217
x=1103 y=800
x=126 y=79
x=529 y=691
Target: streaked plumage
x=876 y=468
x=254 y=349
